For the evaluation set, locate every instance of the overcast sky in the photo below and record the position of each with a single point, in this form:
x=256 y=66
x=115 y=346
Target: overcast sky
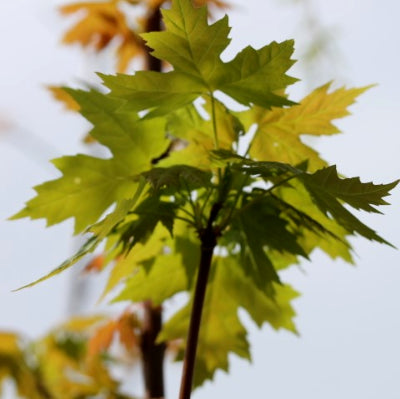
x=348 y=317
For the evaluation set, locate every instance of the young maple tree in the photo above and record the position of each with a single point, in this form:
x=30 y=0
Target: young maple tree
x=205 y=200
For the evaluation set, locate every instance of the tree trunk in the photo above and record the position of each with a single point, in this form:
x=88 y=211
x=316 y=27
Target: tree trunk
x=152 y=352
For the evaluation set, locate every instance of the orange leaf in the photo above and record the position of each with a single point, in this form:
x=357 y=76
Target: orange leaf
x=128 y=49
x=100 y=25
x=96 y=265
x=61 y=95
x=102 y=339
x=127 y=335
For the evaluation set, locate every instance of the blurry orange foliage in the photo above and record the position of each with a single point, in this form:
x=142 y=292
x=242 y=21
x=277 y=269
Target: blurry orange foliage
x=103 y=23
x=124 y=327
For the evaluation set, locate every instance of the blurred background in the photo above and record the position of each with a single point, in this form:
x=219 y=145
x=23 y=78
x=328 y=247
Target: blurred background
x=348 y=317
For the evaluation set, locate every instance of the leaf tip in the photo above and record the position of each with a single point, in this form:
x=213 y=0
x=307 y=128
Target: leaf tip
x=23 y=213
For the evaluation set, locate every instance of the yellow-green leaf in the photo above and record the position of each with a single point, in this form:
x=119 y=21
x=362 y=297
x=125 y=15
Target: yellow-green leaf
x=279 y=130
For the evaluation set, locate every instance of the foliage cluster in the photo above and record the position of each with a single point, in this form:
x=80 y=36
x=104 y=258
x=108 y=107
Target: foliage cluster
x=194 y=195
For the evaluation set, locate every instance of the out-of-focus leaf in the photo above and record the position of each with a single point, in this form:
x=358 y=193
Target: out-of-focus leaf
x=66 y=99
x=102 y=23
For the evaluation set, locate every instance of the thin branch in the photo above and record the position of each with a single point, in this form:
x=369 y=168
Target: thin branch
x=208 y=239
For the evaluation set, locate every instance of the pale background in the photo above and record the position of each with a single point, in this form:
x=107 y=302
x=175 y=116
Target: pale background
x=348 y=317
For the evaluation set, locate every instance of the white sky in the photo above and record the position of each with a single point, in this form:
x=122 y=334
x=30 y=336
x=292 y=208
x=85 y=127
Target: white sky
x=348 y=317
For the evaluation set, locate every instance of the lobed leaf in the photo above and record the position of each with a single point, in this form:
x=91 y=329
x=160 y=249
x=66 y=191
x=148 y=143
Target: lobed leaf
x=149 y=90
x=189 y=43
x=150 y=212
x=128 y=264
x=260 y=228
x=255 y=76
x=221 y=331
x=87 y=188
x=331 y=237
x=178 y=177
x=193 y=47
x=133 y=142
x=196 y=136
x=152 y=284
x=144 y=267
x=90 y=185
x=279 y=130
x=100 y=24
x=103 y=228
x=350 y=190
x=326 y=188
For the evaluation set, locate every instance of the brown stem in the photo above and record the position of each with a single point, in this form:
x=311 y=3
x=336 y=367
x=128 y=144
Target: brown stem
x=208 y=239
x=153 y=24
x=153 y=352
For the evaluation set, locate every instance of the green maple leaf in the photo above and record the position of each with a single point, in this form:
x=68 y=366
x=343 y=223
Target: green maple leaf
x=188 y=42
x=193 y=47
x=266 y=170
x=132 y=141
x=149 y=213
x=326 y=189
x=152 y=118
x=279 y=130
x=148 y=262
x=89 y=185
x=351 y=190
x=87 y=188
x=140 y=254
x=255 y=76
x=177 y=177
x=324 y=232
x=179 y=263
x=103 y=228
x=152 y=284
x=187 y=124
x=100 y=230
x=149 y=90
x=197 y=133
x=221 y=331
x=260 y=227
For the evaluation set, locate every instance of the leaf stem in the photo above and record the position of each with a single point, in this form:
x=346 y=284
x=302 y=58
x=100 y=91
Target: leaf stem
x=215 y=129
x=191 y=215
x=203 y=207
x=193 y=205
x=188 y=221
x=268 y=190
x=214 y=121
